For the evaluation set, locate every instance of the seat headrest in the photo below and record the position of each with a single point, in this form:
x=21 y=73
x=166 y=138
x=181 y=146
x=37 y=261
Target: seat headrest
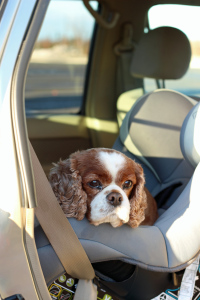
x=162 y=53
x=189 y=137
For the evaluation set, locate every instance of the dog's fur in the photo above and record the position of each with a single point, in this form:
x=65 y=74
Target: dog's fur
x=106 y=186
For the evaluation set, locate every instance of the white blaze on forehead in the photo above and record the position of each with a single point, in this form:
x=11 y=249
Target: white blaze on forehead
x=113 y=162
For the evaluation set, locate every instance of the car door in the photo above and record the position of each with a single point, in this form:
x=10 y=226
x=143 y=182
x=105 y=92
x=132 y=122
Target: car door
x=18 y=257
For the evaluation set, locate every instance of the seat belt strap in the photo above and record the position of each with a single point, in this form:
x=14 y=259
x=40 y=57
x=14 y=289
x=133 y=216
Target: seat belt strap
x=59 y=231
x=124 y=51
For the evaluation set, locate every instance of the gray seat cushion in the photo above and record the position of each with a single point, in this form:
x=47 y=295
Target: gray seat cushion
x=174 y=239
x=150 y=133
x=169 y=245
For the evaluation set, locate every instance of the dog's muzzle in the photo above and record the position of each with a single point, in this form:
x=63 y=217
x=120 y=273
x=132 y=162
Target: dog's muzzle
x=114 y=198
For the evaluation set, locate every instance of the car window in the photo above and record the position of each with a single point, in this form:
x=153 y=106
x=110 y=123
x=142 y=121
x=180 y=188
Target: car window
x=185 y=18
x=57 y=70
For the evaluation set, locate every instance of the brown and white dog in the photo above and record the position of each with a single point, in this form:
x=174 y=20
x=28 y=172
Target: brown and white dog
x=106 y=186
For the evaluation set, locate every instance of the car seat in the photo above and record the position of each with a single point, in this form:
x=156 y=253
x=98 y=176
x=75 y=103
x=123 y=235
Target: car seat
x=162 y=53
x=150 y=134
x=173 y=242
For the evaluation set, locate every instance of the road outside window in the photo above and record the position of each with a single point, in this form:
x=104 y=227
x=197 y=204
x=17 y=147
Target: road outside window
x=57 y=70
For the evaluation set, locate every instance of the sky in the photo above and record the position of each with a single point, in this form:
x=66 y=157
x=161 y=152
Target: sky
x=71 y=18
x=183 y=17
x=67 y=19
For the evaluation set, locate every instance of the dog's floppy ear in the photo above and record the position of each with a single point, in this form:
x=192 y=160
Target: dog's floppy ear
x=138 y=198
x=67 y=186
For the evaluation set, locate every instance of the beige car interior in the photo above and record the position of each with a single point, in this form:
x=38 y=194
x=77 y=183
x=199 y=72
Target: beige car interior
x=157 y=129
x=151 y=133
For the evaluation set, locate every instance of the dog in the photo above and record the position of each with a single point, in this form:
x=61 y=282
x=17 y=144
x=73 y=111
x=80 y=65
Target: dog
x=105 y=186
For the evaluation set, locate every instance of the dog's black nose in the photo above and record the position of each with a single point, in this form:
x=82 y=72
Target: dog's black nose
x=114 y=198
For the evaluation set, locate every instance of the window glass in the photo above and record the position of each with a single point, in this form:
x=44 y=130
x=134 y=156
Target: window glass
x=57 y=70
x=185 y=18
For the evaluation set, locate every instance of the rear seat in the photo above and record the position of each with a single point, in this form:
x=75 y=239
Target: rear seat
x=162 y=54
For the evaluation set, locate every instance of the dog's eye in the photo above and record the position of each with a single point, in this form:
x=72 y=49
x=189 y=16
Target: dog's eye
x=127 y=184
x=95 y=184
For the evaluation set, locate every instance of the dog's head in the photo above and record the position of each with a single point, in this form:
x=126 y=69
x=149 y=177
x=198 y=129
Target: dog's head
x=102 y=184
